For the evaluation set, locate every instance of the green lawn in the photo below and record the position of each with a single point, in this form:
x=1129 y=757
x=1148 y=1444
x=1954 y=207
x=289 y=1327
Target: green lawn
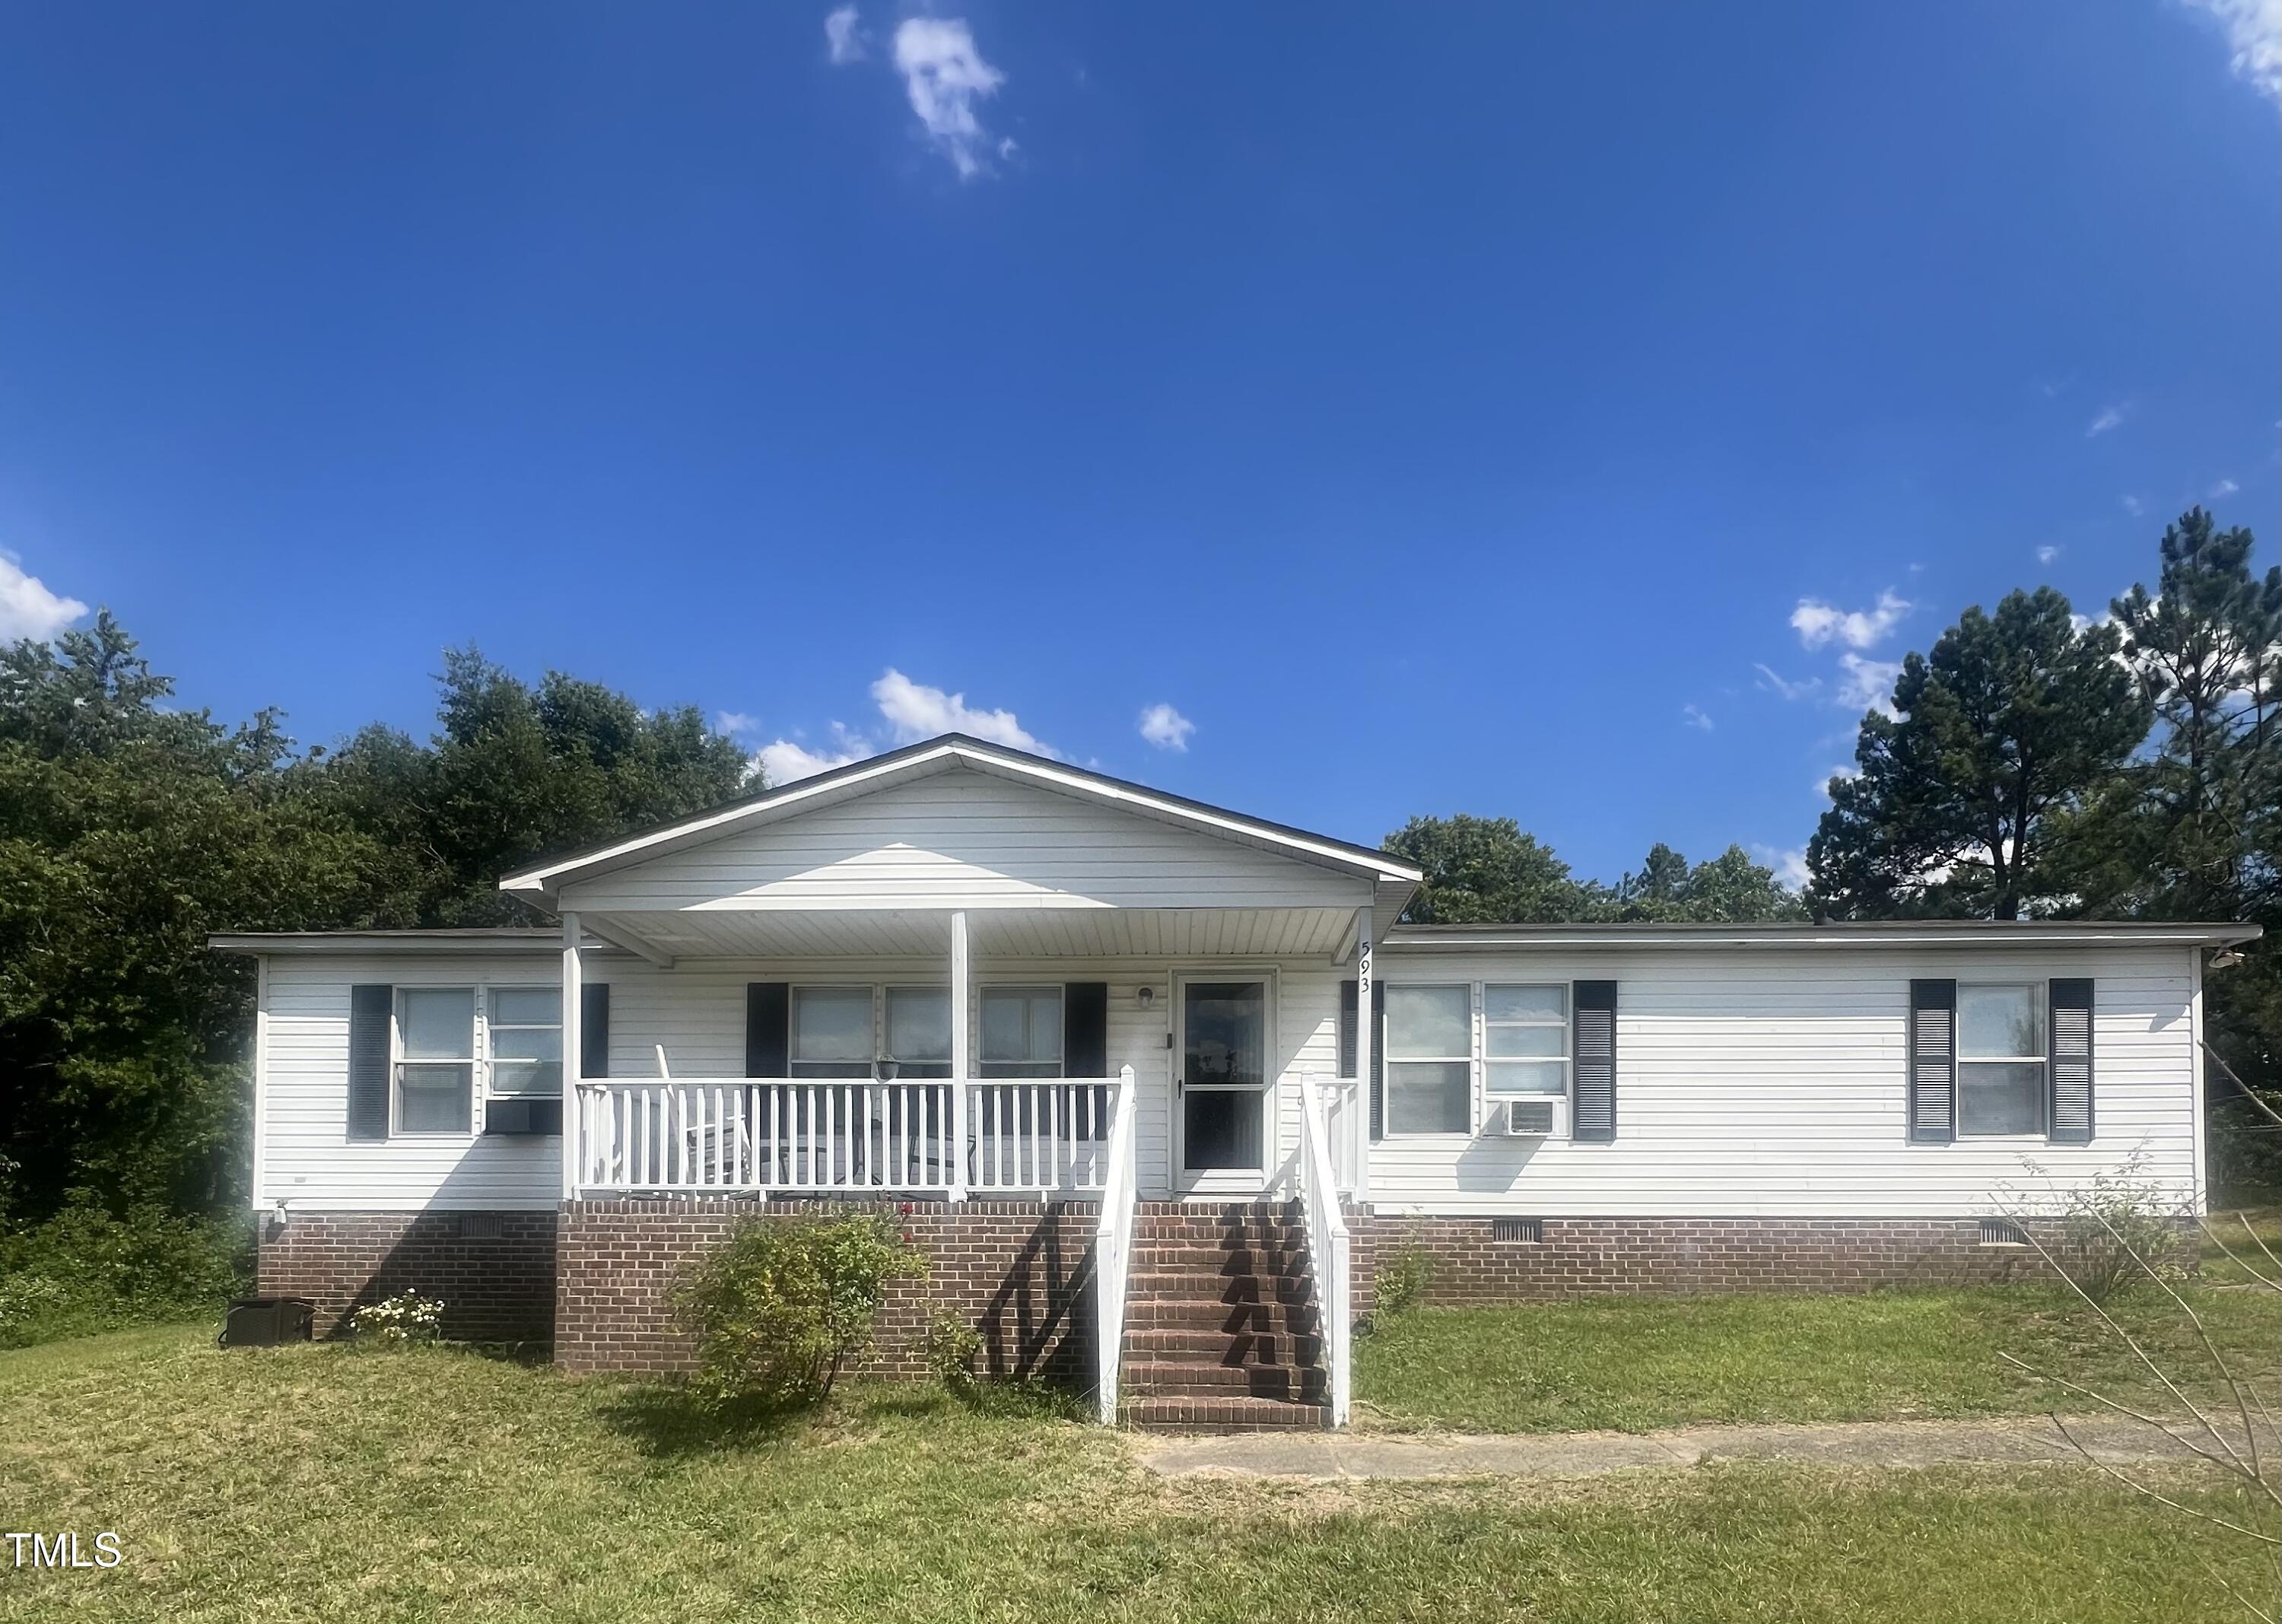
x=1637 y=1364
x=318 y=1483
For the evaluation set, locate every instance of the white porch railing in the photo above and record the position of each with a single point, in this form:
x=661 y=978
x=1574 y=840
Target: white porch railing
x=1327 y=1240
x=1113 y=1247
x=747 y=1135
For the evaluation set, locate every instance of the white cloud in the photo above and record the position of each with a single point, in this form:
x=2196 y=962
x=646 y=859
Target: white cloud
x=1806 y=688
x=844 y=38
x=945 y=77
x=1166 y=727
x=784 y=761
x=2112 y=418
x=735 y=723
x=1695 y=717
x=2048 y=553
x=915 y=711
x=1844 y=769
x=1818 y=623
x=911 y=711
x=2133 y=505
x=2224 y=487
x=28 y=609
x=1789 y=864
x=1869 y=684
x=2253 y=28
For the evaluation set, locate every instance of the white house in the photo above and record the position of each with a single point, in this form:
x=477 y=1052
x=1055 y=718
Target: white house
x=1096 y=1046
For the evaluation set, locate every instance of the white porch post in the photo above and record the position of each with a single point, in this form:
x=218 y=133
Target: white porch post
x=1366 y=1036
x=959 y=1052
x=573 y=998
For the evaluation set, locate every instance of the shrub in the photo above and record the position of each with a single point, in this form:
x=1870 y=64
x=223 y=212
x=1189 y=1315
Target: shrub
x=401 y=1321
x=87 y=1268
x=782 y=1307
x=953 y=1348
x=1403 y=1276
x=2112 y=1223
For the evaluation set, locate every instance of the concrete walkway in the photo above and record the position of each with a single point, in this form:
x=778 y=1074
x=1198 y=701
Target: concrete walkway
x=2008 y=1441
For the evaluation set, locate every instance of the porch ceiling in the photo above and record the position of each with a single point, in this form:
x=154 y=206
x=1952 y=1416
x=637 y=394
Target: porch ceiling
x=1004 y=933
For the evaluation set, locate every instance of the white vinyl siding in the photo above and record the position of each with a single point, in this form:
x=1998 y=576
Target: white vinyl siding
x=306 y=1157
x=1772 y=1083
x=1750 y=1083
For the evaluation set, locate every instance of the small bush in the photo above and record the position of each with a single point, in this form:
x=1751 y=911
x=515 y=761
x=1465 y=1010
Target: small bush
x=402 y=1321
x=953 y=1348
x=781 y=1307
x=1403 y=1276
x=2111 y=1225
x=87 y=1269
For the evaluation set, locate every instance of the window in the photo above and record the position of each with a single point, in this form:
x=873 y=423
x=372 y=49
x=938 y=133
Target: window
x=919 y=1031
x=1430 y=1056
x=2000 y=1060
x=1021 y=1032
x=435 y=1069
x=832 y=1032
x=526 y=1040
x=1525 y=1040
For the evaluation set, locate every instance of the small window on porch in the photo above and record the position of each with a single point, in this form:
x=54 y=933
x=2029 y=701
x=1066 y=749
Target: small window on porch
x=832 y=1032
x=1021 y=1032
x=919 y=1031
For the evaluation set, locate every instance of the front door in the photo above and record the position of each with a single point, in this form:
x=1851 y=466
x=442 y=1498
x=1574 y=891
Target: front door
x=1221 y=1083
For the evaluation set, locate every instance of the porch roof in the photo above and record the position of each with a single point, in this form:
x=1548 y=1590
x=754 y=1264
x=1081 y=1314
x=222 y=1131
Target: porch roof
x=951 y=752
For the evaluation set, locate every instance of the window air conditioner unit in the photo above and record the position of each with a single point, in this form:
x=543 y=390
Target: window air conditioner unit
x=1530 y=1119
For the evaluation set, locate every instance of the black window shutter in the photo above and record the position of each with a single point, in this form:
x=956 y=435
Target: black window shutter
x=2070 y=1005
x=1933 y=1062
x=1346 y=1028
x=1085 y=1029
x=594 y=1029
x=1593 y=1062
x=768 y=1028
x=371 y=1010
x=1379 y=1060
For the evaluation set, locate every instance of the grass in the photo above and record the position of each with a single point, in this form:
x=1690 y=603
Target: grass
x=318 y=1483
x=1638 y=1364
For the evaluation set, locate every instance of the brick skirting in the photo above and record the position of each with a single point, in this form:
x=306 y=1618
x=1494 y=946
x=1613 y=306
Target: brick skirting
x=1020 y=1272
x=1574 y=1257
x=493 y=1271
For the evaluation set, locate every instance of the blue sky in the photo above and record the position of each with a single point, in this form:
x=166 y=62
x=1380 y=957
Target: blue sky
x=1561 y=412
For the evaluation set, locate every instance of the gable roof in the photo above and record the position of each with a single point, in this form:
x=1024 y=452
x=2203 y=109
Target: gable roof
x=944 y=754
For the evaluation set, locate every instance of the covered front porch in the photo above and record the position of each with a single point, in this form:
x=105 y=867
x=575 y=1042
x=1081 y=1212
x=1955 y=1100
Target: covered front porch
x=952 y=1056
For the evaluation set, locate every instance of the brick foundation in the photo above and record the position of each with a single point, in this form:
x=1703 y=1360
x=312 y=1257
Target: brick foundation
x=1682 y=1256
x=1021 y=1272
x=493 y=1271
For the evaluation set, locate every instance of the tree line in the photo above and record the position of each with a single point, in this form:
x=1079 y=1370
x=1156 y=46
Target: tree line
x=2033 y=761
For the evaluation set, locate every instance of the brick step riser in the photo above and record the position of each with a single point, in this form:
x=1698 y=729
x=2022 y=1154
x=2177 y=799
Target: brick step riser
x=1307 y=1386
x=1190 y=1281
x=1223 y=1346
x=1187 y=1415
x=1229 y=1318
x=1242 y=1293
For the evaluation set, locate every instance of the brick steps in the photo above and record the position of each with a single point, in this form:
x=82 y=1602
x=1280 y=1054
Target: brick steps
x=1222 y=1329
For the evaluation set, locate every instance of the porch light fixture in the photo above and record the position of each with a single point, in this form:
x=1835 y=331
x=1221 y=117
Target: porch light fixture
x=2225 y=958
x=884 y=1069
x=1148 y=997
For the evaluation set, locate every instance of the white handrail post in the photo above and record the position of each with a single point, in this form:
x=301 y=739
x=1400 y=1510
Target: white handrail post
x=959 y=1047
x=574 y=989
x=1113 y=1245
x=1328 y=1243
x=1366 y=1040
